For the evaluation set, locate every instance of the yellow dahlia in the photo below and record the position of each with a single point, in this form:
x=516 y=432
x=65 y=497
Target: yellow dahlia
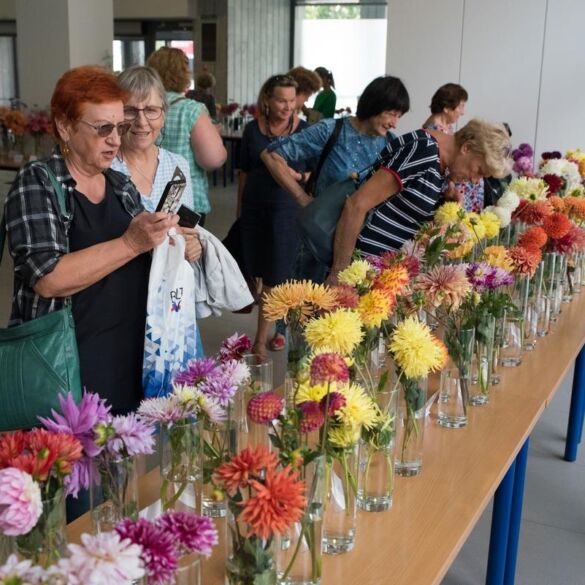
x=461 y=251
x=415 y=349
x=304 y=298
x=448 y=214
x=356 y=274
x=491 y=224
x=341 y=331
x=531 y=189
x=374 y=307
x=359 y=409
x=474 y=224
x=497 y=256
x=344 y=436
x=310 y=392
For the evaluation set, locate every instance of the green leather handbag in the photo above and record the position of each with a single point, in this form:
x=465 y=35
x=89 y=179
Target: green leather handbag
x=38 y=359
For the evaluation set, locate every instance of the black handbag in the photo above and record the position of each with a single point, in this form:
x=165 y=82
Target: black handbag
x=38 y=359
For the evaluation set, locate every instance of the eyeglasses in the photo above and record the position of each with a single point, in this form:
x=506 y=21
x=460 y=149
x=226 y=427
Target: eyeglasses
x=104 y=130
x=150 y=112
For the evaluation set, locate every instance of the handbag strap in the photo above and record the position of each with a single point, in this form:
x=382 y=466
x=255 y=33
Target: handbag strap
x=65 y=212
x=325 y=153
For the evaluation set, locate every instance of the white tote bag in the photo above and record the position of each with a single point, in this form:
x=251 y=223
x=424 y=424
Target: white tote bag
x=171 y=329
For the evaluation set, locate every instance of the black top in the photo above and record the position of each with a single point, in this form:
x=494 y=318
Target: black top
x=110 y=315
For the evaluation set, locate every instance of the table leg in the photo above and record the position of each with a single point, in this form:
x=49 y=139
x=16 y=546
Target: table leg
x=500 y=528
x=577 y=410
x=516 y=515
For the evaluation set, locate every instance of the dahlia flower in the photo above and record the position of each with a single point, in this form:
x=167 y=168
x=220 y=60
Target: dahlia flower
x=444 y=285
x=264 y=407
x=340 y=330
x=235 y=347
x=329 y=367
x=20 y=502
x=193 y=533
x=238 y=472
x=356 y=274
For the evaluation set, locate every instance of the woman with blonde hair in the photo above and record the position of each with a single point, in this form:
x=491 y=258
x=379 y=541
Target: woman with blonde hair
x=405 y=186
x=188 y=129
x=269 y=237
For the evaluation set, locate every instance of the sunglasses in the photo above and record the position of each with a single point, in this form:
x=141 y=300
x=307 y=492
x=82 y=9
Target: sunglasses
x=150 y=112
x=104 y=130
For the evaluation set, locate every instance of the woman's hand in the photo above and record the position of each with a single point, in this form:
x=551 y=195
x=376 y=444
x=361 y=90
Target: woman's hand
x=148 y=230
x=452 y=194
x=193 y=247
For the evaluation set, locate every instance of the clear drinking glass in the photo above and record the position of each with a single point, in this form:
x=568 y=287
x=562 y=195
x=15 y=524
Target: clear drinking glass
x=452 y=407
x=512 y=342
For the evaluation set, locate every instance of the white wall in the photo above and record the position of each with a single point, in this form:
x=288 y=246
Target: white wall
x=258 y=45
x=88 y=42
x=561 y=114
x=522 y=61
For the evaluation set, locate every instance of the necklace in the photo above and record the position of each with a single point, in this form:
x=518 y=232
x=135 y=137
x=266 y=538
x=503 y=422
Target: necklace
x=287 y=130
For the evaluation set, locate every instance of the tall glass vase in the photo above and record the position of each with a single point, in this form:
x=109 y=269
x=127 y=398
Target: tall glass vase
x=218 y=444
x=296 y=351
x=45 y=544
x=299 y=556
x=541 y=301
x=250 y=559
x=410 y=426
x=189 y=570
x=376 y=457
x=180 y=466
x=484 y=351
x=116 y=495
x=251 y=434
x=512 y=340
x=339 y=522
x=495 y=377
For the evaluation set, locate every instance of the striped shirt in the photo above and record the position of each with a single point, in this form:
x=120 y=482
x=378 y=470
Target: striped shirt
x=167 y=162
x=413 y=159
x=179 y=121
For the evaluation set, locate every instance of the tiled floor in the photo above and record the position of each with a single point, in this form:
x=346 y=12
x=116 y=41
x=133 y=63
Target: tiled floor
x=552 y=540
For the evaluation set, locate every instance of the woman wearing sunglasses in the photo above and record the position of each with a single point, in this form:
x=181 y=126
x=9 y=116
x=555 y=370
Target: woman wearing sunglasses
x=98 y=257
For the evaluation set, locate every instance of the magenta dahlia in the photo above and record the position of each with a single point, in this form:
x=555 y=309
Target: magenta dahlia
x=263 y=408
x=312 y=418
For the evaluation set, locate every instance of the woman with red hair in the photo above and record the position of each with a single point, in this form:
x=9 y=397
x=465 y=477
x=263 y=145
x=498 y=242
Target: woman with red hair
x=96 y=254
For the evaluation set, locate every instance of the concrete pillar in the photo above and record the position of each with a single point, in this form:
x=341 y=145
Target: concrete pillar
x=56 y=35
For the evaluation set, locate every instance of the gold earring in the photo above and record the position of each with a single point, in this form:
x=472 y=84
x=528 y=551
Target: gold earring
x=65 y=150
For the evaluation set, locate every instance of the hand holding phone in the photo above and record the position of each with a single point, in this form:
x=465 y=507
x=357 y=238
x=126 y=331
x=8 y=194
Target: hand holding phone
x=187 y=217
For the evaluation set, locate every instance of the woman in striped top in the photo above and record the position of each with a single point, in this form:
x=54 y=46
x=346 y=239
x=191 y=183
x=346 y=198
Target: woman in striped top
x=406 y=183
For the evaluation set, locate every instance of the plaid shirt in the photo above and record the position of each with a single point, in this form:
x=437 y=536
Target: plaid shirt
x=179 y=121
x=37 y=231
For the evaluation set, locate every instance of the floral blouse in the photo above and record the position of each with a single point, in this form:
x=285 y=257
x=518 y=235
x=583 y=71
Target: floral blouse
x=473 y=193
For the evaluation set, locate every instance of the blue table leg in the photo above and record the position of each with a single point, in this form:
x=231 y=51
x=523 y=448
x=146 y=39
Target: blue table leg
x=500 y=529
x=516 y=515
x=576 y=413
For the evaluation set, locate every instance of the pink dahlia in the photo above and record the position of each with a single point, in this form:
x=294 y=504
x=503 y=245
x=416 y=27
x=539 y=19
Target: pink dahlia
x=444 y=285
x=347 y=296
x=332 y=402
x=263 y=408
x=159 y=553
x=234 y=347
x=329 y=367
x=311 y=416
x=193 y=533
x=20 y=502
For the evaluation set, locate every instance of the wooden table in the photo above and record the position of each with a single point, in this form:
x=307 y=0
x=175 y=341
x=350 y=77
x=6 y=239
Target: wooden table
x=415 y=542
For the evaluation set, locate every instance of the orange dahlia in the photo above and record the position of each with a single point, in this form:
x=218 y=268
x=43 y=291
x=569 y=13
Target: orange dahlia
x=556 y=225
x=347 y=296
x=239 y=471
x=278 y=502
x=525 y=259
x=392 y=280
x=557 y=203
x=534 y=213
x=576 y=208
x=534 y=236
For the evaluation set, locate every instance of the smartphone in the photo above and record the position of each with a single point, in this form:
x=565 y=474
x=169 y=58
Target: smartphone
x=187 y=217
x=171 y=197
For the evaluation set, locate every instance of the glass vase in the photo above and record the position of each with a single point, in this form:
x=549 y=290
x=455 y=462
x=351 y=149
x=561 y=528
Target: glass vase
x=376 y=457
x=541 y=301
x=116 y=495
x=339 y=521
x=180 y=466
x=495 y=377
x=250 y=560
x=218 y=443
x=484 y=350
x=188 y=571
x=512 y=340
x=299 y=556
x=410 y=426
x=452 y=407
x=45 y=544
x=251 y=434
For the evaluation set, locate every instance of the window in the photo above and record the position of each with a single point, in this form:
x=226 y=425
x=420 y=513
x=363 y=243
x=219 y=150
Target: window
x=348 y=38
